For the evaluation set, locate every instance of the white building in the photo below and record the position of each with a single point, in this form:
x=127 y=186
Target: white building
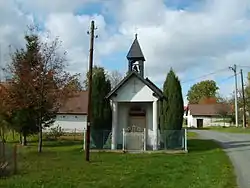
x=135 y=106
x=205 y=115
x=72 y=116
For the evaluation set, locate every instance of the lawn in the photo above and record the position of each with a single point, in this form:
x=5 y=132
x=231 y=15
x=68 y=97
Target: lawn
x=229 y=129
x=192 y=135
x=62 y=165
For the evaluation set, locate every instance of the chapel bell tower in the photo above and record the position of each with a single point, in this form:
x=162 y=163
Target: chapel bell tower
x=135 y=58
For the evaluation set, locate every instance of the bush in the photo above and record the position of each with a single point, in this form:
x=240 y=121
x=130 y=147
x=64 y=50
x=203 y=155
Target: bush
x=55 y=132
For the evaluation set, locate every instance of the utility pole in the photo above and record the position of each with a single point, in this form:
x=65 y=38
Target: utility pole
x=234 y=69
x=244 y=100
x=89 y=118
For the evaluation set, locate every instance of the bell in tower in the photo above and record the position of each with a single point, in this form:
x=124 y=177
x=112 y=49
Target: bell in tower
x=136 y=58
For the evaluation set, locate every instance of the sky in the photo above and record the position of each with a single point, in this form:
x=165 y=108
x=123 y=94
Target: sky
x=199 y=39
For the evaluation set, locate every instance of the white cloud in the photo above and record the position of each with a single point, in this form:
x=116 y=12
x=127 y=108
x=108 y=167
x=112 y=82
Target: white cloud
x=12 y=27
x=48 y=6
x=213 y=36
x=182 y=39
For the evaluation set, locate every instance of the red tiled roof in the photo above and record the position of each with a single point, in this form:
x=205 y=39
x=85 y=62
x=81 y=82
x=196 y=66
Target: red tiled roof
x=209 y=109
x=78 y=104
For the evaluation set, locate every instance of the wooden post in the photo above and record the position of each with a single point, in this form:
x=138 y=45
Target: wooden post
x=75 y=134
x=186 y=149
x=145 y=139
x=244 y=100
x=123 y=140
x=84 y=140
x=92 y=36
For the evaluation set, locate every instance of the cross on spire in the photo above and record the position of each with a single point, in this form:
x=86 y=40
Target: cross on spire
x=136 y=31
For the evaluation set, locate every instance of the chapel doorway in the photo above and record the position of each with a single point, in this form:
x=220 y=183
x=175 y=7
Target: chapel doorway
x=135 y=133
x=138 y=122
x=137 y=117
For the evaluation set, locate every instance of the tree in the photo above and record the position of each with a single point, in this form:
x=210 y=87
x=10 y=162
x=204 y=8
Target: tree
x=173 y=107
x=75 y=84
x=23 y=121
x=39 y=81
x=101 y=114
x=115 y=77
x=223 y=110
x=209 y=100
x=247 y=96
x=173 y=110
x=201 y=90
x=4 y=115
x=240 y=102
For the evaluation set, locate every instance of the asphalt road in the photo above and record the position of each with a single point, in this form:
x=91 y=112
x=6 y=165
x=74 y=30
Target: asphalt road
x=237 y=147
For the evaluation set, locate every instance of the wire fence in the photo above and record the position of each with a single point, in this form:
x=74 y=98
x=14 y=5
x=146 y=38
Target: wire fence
x=163 y=140
x=100 y=139
x=173 y=140
x=126 y=140
x=8 y=159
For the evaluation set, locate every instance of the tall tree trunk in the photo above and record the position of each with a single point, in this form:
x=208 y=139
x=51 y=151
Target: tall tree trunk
x=40 y=139
x=24 y=139
x=3 y=134
x=20 y=138
x=13 y=135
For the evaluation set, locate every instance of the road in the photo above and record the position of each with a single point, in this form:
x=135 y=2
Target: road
x=237 y=147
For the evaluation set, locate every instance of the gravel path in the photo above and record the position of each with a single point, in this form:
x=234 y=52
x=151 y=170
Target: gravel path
x=237 y=147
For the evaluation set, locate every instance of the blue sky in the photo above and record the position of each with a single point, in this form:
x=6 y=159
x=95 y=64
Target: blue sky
x=194 y=37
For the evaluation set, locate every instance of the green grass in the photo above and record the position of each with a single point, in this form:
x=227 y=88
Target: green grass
x=62 y=165
x=229 y=129
x=192 y=135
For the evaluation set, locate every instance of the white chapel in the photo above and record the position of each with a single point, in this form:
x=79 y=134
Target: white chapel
x=135 y=107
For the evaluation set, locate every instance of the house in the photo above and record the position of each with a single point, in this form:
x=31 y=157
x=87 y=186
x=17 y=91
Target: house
x=202 y=115
x=72 y=115
x=135 y=107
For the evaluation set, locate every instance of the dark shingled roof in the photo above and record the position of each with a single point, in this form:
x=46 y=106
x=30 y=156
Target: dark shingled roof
x=77 y=104
x=135 y=52
x=146 y=81
x=209 y=109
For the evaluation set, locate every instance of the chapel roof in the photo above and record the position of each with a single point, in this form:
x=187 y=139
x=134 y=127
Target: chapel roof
x=135 y=51
x=146 y=81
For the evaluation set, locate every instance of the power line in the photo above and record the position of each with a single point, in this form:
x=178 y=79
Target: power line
x=244 y=66
x=227 y=78
x=205 y=75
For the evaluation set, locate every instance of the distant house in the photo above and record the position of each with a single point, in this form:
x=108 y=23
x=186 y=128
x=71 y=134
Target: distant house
x=72 y=115
x=204 y=115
